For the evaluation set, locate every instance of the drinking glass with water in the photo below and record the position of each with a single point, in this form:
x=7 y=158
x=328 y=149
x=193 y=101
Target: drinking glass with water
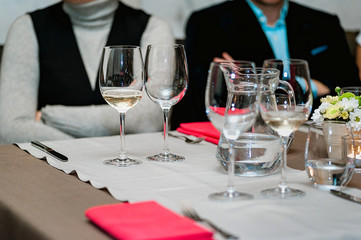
x=327 y=166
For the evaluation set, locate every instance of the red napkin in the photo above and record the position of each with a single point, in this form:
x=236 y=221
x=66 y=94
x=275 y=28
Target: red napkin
x=221 y=111
x=145 y=220
x=201 y=129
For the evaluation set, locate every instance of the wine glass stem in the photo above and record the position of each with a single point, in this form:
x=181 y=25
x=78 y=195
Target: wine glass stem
x=165 y=150
x=232 y=156
x=122 y=154
x=283 y=183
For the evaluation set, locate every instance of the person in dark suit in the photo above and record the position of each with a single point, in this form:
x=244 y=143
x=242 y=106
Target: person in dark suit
x=235 y=29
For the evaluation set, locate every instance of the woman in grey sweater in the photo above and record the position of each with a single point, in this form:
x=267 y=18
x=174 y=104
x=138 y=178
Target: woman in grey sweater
x=24 y=116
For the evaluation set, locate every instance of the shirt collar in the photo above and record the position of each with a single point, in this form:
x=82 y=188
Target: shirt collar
x=263 y=19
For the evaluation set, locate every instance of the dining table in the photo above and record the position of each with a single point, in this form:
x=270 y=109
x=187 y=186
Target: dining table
x=43 y=198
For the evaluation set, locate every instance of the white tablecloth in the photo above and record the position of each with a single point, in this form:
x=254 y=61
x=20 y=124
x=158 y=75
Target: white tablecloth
x=317 y=215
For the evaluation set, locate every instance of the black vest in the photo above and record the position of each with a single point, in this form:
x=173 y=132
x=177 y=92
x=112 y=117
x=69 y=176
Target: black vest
x=63 y=78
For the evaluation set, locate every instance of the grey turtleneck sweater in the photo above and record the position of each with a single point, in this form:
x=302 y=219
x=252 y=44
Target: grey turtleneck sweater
x=19 y=80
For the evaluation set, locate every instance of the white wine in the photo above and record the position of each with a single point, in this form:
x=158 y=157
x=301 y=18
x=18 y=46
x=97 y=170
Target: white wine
x=122 y=99
x=284 y=122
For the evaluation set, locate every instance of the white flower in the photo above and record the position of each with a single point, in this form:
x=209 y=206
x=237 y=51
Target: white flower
x=355 y=120
x=355 y=116
x=317 y=116
x=355 y=126
x=349 y=104
x=323 y=107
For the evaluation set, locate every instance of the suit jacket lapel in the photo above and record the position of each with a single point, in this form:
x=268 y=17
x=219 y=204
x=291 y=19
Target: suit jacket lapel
x=250 y=29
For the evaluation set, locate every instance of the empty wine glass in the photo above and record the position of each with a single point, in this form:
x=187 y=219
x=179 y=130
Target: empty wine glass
x=240 y=114
x=216 y=91
x=355 y=90
x=285 y=114
x=166 y=83
x=121 y=85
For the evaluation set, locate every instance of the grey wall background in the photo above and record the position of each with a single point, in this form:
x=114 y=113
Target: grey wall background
x=176 y=12
x=11 y=9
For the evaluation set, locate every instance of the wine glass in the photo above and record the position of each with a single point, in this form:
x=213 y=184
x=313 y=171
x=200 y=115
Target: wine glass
x=166 y=83
x=239 y=116
x=285 y=114
x=216 y=91
x=355 y=90
x=121 y=85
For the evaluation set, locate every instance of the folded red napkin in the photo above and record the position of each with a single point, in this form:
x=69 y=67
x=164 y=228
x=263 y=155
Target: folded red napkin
x=200 y=129
x=222 y=111
x=145 y=220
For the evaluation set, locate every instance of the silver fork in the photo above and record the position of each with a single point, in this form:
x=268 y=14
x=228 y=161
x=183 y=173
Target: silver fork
x=191 y=213
x=187 y=139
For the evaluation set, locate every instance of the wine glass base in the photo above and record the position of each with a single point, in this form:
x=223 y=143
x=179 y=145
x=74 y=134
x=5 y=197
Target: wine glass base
x=166 y=158
x=278 y=193
x=227 y=196
x=122 y=162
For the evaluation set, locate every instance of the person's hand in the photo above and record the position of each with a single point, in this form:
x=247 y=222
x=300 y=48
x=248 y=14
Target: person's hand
x=322 y=89
x=38 y=116
x=225 y=57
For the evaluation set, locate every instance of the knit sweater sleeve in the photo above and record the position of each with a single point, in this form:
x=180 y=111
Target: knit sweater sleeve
x=19 y=81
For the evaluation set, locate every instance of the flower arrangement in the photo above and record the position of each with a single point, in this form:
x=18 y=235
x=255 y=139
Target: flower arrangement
x=343 y=107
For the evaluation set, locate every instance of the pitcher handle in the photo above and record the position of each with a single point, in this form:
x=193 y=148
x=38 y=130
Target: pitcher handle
x=287 y=88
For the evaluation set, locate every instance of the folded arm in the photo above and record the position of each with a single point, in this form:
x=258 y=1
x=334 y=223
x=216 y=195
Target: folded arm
x=19 y=81
x=102 y=120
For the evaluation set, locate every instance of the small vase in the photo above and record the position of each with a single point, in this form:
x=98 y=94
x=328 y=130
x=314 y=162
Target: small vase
x=333 y=132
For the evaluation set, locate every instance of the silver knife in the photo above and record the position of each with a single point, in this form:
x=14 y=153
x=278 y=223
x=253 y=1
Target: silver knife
x=49 y=151
x=346 y=196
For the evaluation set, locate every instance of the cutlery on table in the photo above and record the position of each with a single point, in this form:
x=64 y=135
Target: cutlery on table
x=49 y=151
x=192 y=214
x=346 y=196
x=187 y=139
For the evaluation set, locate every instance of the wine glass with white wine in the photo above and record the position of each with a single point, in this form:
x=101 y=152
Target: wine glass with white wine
x=285 y=114
x=166 y=84
x=121 y=85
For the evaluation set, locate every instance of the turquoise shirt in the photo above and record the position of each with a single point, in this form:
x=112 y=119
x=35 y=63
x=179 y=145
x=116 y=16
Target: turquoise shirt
x=277 y=34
